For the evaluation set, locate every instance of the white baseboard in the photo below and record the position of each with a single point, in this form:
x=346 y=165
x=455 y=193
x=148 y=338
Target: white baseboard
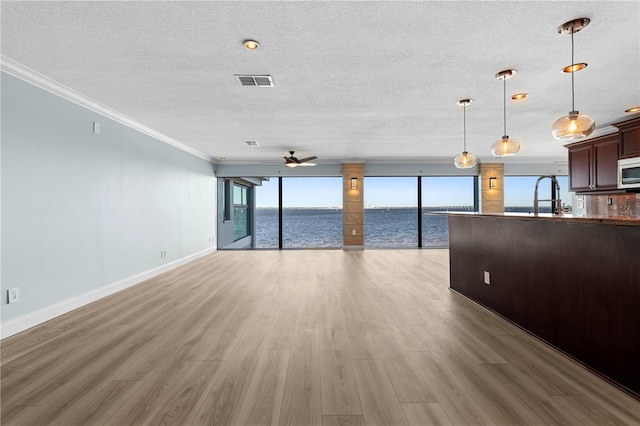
x=40 y=316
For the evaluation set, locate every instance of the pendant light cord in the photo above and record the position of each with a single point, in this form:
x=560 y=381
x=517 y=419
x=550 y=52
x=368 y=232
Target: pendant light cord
x=464 y=126
x=573 y=106
x=504 y=103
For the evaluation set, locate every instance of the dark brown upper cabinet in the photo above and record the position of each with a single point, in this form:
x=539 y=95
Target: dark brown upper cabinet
x=629 y=138
x=593 y=164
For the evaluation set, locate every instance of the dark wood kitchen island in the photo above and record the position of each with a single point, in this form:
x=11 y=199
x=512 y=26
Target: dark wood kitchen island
x=572 y=282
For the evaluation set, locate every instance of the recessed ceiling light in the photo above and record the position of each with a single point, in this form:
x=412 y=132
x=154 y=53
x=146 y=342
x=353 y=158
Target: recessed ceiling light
x=251 y=44
x=574 y=67
x=634 y=109
x=222 y=158
x=519 y=96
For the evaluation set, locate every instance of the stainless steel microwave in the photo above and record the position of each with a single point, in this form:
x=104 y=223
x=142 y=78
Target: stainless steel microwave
x=629 y=173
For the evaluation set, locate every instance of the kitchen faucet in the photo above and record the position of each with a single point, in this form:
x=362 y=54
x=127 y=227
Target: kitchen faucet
x=557 y=200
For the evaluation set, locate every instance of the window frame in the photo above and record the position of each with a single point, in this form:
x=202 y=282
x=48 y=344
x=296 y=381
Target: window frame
x=244 y=204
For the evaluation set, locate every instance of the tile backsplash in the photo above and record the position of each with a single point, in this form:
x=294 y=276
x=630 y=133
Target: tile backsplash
x=621 y=205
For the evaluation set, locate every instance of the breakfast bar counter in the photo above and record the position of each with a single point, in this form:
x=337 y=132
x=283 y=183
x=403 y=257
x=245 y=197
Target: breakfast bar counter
x=566 y=218
x=574 y=282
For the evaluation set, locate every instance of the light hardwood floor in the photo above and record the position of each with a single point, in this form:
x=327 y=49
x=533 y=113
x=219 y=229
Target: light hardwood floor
x=317 y=337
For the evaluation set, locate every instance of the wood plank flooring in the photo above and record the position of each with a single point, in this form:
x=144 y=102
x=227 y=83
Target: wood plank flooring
x=317 y=337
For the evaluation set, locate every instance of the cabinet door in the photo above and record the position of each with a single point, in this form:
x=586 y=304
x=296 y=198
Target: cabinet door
x=580 y=168
x=629 y=138
x=630 y=143
x=605 y=166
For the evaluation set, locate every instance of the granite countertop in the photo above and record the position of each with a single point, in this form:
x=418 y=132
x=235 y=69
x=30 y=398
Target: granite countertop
x=567 y=218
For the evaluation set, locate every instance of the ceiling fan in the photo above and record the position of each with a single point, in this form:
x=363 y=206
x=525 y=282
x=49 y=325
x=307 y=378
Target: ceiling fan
x=292 y=161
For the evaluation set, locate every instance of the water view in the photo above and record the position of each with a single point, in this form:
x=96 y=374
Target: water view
x=309 y=221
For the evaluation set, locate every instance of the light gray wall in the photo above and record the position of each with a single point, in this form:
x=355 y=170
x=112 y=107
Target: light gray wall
x=82 y=210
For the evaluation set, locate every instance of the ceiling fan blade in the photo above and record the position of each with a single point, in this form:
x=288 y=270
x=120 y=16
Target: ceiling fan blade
x=308 y=159
x=307 y=164
x=288 y=160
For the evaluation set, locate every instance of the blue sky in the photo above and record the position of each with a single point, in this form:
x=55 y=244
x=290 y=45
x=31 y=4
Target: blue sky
x=400 y=191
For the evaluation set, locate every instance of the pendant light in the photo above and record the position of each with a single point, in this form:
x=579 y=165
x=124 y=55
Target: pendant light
x=465 y=160
x=574 y=125
x=505 y=147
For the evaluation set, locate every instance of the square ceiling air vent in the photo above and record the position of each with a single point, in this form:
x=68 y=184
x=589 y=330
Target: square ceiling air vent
x=252 y=143
x=255 y=80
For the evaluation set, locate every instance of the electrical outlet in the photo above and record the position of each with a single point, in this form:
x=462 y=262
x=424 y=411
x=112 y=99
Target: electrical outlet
x=487 y=278
x=353 y=232
x=13 y=295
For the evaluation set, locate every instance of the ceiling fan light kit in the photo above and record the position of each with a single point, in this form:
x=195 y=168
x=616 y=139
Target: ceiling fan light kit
x=293 y=161
x=505 y=147
x=574 y=125
x=465 y=159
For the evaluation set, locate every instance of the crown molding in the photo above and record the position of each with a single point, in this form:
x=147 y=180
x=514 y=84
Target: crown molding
x=43 y=82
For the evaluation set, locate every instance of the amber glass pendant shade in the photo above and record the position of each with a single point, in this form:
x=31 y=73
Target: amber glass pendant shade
x=573 y=126
x=505 y=147
x=465 y=160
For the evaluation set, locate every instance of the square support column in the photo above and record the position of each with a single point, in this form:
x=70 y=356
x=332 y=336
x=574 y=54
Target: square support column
x=491 y=199
x=353 y=206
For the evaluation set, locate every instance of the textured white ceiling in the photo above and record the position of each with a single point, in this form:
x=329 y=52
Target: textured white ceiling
x=373 y=80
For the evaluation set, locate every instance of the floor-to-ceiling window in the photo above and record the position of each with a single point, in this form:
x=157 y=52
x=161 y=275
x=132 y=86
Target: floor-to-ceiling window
x=519 y=193
x=441 y=194
x=391 y=212
x=311 y=209
x=312 y=212
x=267 y=214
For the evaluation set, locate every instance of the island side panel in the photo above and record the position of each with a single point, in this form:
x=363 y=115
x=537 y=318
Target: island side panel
x=574 y=285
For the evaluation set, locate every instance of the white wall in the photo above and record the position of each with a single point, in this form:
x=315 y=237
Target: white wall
x=85 y=214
